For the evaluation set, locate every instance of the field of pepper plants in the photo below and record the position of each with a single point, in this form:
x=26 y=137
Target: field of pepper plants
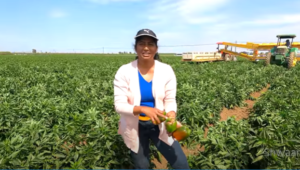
x=56 y=111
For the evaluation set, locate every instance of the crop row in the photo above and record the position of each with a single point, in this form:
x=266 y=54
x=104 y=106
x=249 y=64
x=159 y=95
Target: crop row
x=57 y=111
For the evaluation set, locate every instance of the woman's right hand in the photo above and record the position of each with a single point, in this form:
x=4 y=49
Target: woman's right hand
x=153 y=113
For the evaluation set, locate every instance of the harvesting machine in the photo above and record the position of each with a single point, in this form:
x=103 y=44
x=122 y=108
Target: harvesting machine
x=252 y=57
x=279 y=54
x=285 y=55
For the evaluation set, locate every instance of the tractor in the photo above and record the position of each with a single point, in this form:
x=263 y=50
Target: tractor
x=283 y=54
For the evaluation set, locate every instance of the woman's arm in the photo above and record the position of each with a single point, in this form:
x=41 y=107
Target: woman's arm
x=170 y=93
x=120 y=95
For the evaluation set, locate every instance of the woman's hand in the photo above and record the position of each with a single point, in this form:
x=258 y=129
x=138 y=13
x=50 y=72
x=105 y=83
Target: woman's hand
x=171 y=114
x=153 y=113
x=178 y=125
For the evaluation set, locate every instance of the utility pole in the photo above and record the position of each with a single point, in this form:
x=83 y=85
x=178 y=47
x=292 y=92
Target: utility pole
x=103 y=50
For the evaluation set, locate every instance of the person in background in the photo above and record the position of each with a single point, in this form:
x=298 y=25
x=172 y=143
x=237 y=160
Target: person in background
x=287 y=43
x=143 y=89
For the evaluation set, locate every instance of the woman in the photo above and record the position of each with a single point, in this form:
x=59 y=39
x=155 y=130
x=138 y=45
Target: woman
x=143 y=89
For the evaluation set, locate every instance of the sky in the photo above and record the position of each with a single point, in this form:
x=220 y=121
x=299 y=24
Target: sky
x=108 y=26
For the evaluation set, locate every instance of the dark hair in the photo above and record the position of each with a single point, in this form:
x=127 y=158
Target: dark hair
x=156 y=56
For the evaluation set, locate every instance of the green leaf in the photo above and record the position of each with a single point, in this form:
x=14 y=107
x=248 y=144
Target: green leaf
x=223 y=153
x=76 y=156
x=59 y=155
x=14 y=155
x=260 y=151
x=258 y=159
x=221 y=167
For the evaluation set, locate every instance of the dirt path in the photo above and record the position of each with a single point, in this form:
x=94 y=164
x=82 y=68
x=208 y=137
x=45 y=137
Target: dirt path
x=239 y=112
x=242 y=112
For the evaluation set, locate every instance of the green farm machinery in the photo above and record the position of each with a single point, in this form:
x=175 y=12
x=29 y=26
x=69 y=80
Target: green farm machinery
x=283 y=53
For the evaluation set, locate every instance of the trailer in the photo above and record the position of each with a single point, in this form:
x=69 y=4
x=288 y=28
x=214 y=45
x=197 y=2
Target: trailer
x=201 y=56
x=207 y=56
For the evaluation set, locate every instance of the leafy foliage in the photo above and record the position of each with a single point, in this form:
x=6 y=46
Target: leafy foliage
x=56 y=111
x=275 y=124
x=225 y=147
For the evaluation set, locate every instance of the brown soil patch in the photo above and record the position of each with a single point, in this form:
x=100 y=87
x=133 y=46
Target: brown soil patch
x=239 y=112
x=242 y=112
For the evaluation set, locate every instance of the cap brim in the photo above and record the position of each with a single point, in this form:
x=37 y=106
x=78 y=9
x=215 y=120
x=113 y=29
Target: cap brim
x=145 y=35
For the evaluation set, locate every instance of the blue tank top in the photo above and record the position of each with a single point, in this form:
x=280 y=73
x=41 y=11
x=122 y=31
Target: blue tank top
x=147 y=98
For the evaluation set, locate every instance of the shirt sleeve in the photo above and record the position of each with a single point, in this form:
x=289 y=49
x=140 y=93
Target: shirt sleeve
x=121 y=88
x=170 y=92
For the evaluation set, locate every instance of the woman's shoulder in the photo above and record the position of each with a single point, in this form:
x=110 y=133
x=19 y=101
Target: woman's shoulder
x=164 y=66
x=127 y=67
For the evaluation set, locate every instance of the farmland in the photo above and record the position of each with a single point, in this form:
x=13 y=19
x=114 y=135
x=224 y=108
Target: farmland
x=56 y=111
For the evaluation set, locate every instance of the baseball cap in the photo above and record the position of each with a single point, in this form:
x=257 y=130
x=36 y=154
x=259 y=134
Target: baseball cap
x=146 y=32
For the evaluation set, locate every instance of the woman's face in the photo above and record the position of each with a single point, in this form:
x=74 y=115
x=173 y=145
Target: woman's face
x=146 y=48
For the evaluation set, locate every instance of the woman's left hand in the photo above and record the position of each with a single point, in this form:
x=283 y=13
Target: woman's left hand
x=178 y=126
x=171 y=114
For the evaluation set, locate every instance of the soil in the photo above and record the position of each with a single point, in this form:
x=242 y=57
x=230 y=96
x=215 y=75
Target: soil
x=239 y=112
x=242 y=112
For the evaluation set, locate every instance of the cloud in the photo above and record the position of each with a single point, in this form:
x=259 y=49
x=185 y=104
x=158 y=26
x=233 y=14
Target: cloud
x=197 y=12
x=187 y=11
x=260 y=28
x=193 y=21
x=176 y=22
x=223 y=32
x=275 y=20
x=268 y=34
x=103 y=2
x=57 y=14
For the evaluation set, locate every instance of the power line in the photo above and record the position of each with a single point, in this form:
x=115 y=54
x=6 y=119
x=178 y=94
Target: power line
x=103 y=48
x=184 y=45
x=187 y=45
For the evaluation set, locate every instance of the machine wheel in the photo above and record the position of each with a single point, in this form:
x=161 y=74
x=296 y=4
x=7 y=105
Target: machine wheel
x=268 y=59
x=292 y=60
